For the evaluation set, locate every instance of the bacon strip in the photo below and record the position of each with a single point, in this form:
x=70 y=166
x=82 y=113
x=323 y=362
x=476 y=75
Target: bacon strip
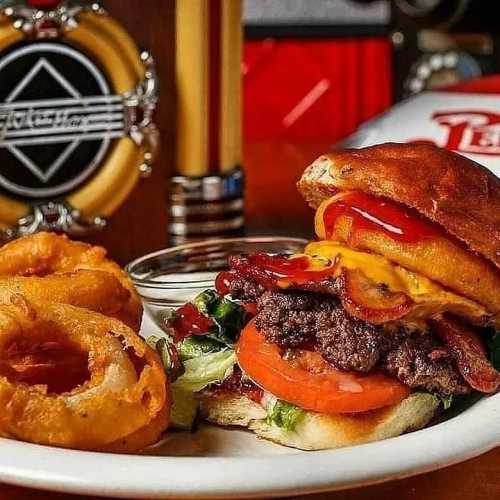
x=469 y=354
x=360 y=297
x=276 y=272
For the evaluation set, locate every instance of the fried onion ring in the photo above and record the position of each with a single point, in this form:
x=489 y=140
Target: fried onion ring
x=44 y=254
x=98 y=291
x=141 y=438
x=73 y=378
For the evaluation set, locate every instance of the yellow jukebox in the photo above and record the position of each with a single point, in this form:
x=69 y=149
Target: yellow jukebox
x=76 y=116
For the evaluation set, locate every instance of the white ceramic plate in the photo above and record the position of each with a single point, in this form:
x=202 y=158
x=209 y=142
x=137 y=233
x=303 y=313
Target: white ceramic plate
x=229 y=463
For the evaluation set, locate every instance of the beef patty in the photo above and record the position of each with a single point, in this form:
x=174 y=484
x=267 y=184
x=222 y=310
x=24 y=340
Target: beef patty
x=295 y=319
x=298 y=319
x=419 y=360
x=244 y=289
x=247 y=285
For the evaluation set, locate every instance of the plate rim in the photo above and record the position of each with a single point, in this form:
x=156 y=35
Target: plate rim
x=103 y=474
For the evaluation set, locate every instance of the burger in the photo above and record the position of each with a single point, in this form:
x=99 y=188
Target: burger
x=380 y=323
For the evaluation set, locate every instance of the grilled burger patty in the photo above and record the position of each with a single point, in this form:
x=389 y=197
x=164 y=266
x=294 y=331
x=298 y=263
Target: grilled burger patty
x=299 y=319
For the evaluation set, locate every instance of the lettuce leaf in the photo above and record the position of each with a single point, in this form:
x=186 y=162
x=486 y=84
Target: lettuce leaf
x=285 y=415
x=196 y=346
x=184 y=409
x=199 y=372
x=204 y=370
x=168 y=355
x=205 y=301
x=445 y=400
x=228 y=317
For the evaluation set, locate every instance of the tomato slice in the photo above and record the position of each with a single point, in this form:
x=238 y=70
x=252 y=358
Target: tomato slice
x=309 y=382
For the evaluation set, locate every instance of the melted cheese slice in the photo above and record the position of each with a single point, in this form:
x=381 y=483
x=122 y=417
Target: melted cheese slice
x=430 y=298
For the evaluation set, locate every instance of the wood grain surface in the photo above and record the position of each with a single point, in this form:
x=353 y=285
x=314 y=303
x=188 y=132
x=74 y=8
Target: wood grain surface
x=140 y=224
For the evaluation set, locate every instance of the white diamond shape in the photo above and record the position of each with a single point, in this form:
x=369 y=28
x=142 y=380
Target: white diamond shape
x=33 y=167
x=43 y=64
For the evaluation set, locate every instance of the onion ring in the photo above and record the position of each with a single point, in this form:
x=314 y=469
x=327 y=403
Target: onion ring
x=74 y=378
x=142 y=438
x=44 y=254
x=98 y=291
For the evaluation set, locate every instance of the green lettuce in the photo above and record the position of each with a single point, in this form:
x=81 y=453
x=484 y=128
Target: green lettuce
x=196 y=346
x=168 y=355
x=445 y=400
x=228 y=317
x=184 y=409
x=205 y=361
x=205 y=370
x=285 y=415
x=205 y=301
x=199 y=372
x=494 y=348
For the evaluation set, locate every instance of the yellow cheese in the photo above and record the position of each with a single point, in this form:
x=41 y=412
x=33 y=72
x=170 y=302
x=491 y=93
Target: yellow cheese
x=430 y=298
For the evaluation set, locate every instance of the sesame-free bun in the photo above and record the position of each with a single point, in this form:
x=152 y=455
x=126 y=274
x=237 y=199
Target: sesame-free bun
x=319 y=431
x=457 y=193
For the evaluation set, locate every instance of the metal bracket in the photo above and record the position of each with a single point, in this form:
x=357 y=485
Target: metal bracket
x=53 y=216
x=52 y=23
x=140 y=106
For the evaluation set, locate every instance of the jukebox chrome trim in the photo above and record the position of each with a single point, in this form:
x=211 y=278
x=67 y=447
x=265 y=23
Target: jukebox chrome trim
x=131 y=74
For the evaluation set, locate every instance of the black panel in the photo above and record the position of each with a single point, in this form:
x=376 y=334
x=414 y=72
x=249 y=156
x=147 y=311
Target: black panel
x=61 y=73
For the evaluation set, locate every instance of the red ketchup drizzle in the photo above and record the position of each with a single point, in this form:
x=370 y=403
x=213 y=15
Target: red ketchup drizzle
x=377 y=214
x=223 y=282
x=189 y=321
x=277 y=270
x=236 y=384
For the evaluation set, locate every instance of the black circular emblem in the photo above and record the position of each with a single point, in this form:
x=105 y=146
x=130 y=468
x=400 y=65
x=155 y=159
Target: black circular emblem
x=57 y=119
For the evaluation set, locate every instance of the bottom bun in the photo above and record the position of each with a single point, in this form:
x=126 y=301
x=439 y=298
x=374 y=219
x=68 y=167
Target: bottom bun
x=319 y=431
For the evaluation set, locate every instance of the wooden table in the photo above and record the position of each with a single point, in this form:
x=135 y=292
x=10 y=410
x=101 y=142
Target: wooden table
x=273 y=206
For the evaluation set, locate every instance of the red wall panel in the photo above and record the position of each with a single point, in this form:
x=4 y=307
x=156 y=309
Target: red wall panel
x=303 y=89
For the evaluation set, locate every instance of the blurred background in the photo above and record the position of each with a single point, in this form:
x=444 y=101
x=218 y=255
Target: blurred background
x=318 y=70
x=312 y=72
x=300 y=76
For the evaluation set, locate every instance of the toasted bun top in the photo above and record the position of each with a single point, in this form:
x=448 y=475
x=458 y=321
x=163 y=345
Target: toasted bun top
x=457 y=193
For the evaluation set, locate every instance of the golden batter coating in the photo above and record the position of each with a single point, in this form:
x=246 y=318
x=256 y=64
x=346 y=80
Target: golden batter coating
x=44 y=254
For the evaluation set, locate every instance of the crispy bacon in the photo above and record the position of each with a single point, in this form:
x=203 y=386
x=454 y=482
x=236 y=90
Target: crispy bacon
x=364 y=299
x=275 y=272
x=278 y=271
x=469 y=354
x=361 y=297
x=238 y=384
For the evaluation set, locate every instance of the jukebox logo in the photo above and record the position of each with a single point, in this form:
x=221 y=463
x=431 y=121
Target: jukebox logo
x=57 y=119
x=470 y=131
